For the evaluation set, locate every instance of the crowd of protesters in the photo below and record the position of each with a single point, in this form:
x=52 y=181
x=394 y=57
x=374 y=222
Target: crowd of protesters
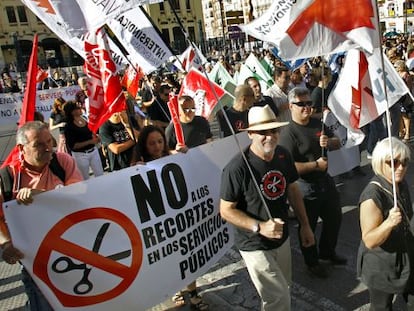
x=144 y=132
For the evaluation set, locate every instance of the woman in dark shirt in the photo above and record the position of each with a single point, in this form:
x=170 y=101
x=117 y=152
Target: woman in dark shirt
x=82 y=141
x=57 y=121
x=384 y=257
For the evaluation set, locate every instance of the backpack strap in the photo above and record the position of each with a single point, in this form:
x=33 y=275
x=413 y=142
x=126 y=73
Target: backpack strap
x=6 y=179
x=56 y=168
x=6 y=184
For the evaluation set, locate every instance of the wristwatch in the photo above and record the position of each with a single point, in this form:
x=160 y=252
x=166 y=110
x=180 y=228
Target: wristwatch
x=256 y=227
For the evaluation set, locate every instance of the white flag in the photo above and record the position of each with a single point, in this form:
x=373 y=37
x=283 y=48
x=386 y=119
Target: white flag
x=359 y=97
x=45 y=12
x=189 y=59
x=309 y=28
x=81 y=16
x=142 y=41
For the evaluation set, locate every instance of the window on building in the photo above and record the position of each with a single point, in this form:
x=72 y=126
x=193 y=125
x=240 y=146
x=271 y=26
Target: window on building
x=11 y=15
x=175 y=4
x=161 y=6
x=21 y=12
x=165 y=35
x=188 y=5
x=191 y=33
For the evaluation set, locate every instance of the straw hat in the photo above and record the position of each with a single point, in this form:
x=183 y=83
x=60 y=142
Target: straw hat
x=263 y=118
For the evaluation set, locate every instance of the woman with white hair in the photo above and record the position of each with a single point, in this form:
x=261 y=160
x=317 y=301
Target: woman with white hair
x=384 y=261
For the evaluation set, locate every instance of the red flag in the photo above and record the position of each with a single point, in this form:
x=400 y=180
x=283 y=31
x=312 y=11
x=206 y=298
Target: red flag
x=29 y=103
x=196 y=85
x=104 y=88
x=173 y=107
x=131 y=79
x=41 y=74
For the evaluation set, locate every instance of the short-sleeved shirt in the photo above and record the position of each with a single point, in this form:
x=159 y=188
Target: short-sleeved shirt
x=238 y=120
x=58 y=118
x=159 y=111
x=384 y=201
x=46 y=180
x=302 y=141
x=195 y=133
x=75 y=134
x=116 y=133
x=267 y=100
x=273 y=179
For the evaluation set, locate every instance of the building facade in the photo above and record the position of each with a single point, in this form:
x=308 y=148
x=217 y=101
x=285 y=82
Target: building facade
x=396 y=16
x=172 y=19
x=17 y=28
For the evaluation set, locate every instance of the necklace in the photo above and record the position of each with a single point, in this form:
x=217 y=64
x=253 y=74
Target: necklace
x=80 y=122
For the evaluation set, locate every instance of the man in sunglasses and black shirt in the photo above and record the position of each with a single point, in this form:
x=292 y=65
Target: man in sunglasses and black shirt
x=308 y=142
x=196 y=129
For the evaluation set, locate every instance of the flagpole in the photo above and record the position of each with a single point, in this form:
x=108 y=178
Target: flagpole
x=269 y=214
x=387 y=111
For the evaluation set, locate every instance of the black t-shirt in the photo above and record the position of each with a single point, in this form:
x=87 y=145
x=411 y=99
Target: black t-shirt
x=75 y=134
x=238 y=120
x=319 y=100
x=195 y=133
x=58 y=118
x=116 y=133
x=302 y=141
x=159 y=111
x=267 y=100
x=273 y=179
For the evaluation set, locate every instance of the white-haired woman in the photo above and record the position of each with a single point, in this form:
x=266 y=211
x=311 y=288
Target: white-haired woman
x=383 y=258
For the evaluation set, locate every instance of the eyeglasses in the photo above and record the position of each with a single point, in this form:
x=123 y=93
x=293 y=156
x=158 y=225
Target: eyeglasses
x=308 y=103
x=187 y=110
x=267 y=132
x=397 y=162
x=166 y=94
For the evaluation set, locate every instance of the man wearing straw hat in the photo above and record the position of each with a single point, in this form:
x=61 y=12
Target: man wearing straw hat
x=307 y=141
x=255 y=187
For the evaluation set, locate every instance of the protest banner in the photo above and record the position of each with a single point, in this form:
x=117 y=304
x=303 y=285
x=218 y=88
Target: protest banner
x=129 y=239
x=141 y=39
x=11 y=104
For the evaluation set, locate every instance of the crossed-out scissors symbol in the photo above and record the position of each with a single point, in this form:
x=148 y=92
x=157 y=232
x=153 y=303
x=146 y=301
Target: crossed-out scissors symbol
x=273 y=185
x=65 y=264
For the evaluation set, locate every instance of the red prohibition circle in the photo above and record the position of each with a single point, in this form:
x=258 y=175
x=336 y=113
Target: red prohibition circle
x=53 y=242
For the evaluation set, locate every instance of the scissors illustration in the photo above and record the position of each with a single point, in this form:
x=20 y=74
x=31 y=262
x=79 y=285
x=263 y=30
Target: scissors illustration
x=64 y=264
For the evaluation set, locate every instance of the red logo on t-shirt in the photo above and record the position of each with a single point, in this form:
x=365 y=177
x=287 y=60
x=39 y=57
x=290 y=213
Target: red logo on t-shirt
x=273 y=185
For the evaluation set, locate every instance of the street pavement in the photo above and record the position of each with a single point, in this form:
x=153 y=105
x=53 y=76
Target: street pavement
x=227 y=286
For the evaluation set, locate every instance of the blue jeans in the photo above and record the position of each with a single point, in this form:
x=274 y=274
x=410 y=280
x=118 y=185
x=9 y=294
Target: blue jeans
x=36 y=302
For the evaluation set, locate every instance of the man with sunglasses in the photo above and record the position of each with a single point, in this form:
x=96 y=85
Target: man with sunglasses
x=254 y=193
x=196 y=129
x=307 y=141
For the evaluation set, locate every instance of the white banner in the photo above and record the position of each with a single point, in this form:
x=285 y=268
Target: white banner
x=142 y=41
x=130 y=239
x=11 y=104
x=80 y=16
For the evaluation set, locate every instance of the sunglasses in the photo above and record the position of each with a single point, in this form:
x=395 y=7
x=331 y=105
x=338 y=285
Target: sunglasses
x=397 y=162
x=187 y=110
x=304 y=104
x=166 y=94
x=267 y=132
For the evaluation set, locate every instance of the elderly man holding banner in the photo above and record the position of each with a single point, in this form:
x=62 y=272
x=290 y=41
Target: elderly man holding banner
x=40 y=170
x=254 y=191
